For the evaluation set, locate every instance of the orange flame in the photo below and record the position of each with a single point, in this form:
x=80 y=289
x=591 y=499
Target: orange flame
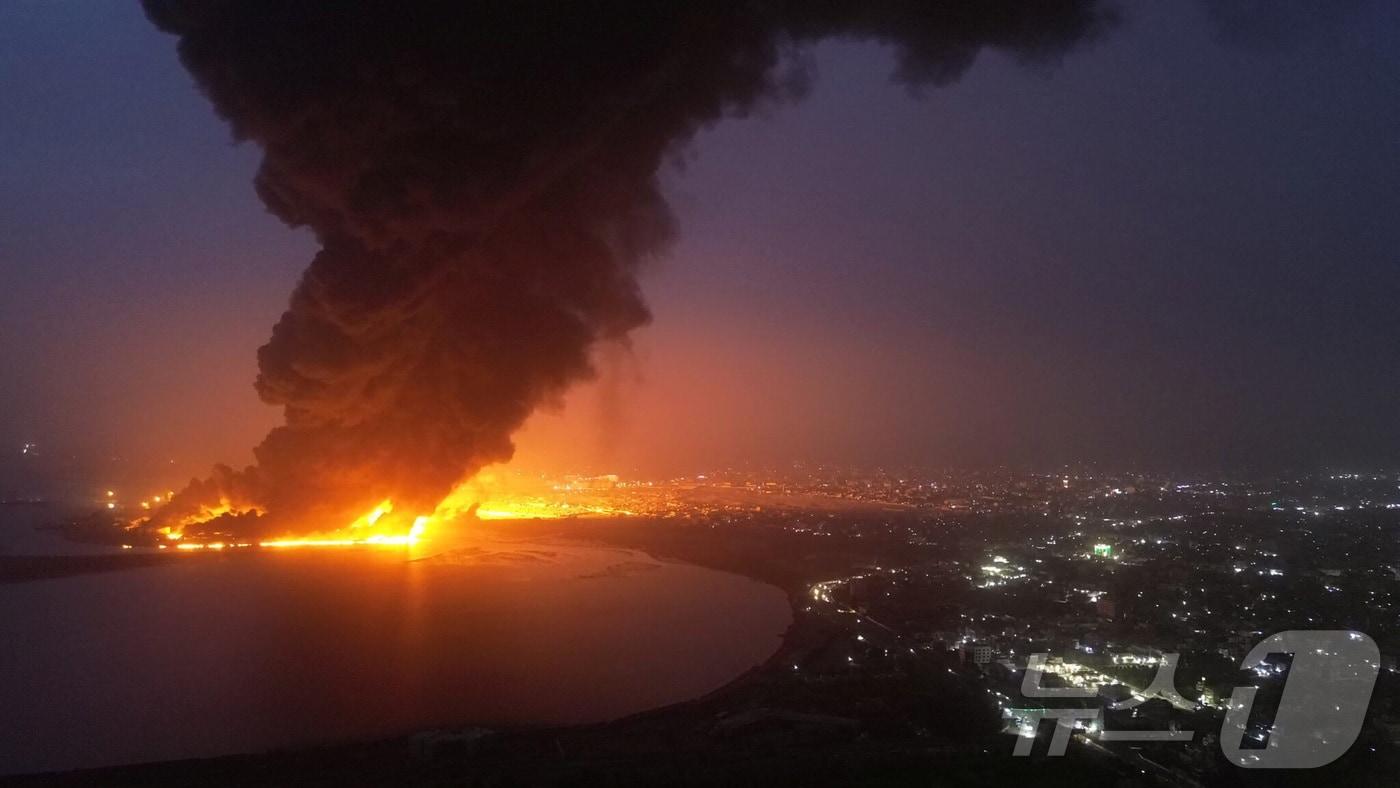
x=485 y=496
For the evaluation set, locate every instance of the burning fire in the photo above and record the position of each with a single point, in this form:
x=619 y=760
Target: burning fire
x=486 y=496
x=363 y=531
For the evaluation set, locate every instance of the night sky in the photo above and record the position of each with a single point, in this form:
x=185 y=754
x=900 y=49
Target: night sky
x=1175 y=249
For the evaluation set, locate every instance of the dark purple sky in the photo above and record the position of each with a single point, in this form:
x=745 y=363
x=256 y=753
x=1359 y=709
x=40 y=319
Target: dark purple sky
x=1178 y=248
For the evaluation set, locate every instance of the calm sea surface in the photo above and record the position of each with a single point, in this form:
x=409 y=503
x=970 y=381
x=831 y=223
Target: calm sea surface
x=247 y=652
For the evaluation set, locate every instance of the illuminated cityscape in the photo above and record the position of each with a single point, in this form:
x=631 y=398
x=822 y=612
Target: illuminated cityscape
x=750 y=393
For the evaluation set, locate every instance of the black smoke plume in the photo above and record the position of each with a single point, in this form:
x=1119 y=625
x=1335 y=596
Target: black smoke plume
x=482 y=179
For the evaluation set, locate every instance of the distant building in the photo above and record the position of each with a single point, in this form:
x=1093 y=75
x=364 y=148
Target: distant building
x=1136 y=655
x=978 y=653
x=1090 y=642
x=1206 y=693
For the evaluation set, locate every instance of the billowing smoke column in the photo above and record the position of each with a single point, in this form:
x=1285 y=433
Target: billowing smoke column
x=481 y=177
